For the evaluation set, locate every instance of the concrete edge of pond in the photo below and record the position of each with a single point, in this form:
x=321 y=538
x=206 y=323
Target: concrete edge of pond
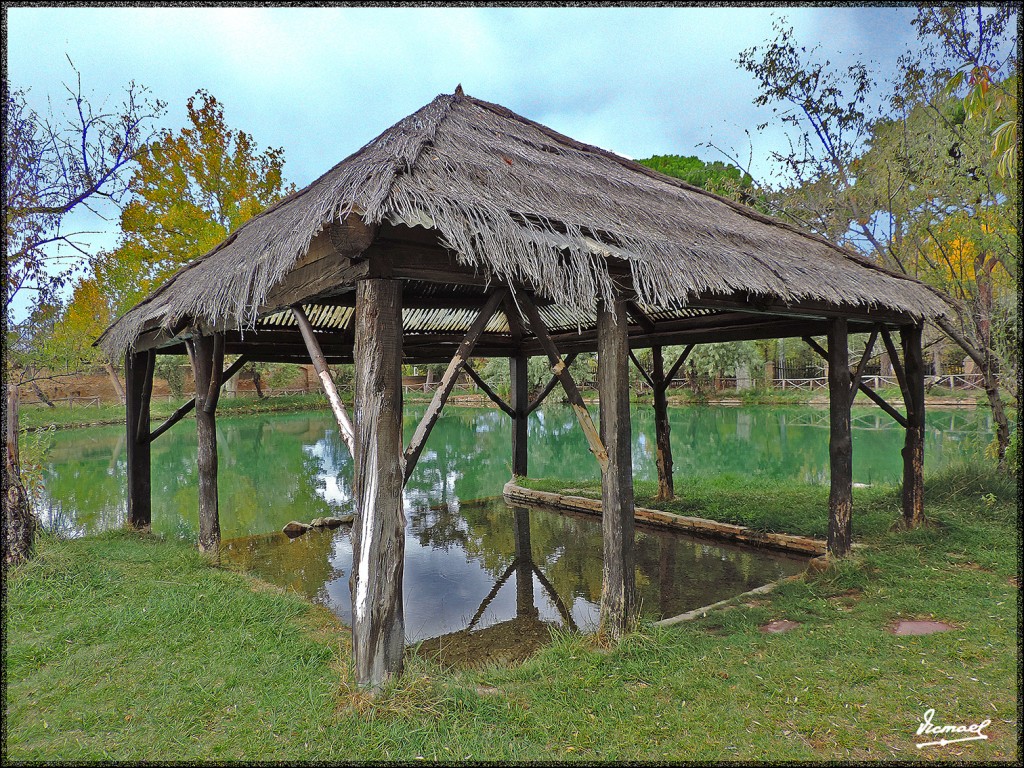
x=801 y=545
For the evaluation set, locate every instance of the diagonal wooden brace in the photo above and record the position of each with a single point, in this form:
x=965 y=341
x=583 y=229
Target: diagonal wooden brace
x=447 y=384
x=561 y=370
x=552 y=383
x=316 y=355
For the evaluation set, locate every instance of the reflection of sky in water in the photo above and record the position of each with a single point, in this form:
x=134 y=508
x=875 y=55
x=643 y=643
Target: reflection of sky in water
x=448 y=583
x=327 y=480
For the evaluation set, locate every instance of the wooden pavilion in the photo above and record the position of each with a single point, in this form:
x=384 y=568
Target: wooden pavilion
x=468 y=230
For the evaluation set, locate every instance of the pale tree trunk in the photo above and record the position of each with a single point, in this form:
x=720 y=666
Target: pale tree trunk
x=19 y=522
x=118 y=388
x=29 y=374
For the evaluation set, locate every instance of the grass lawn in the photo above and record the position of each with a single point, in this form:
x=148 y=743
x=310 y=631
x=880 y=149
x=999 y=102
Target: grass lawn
x=124 y=647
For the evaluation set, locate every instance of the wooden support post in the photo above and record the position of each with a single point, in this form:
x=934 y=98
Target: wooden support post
x=378 y=536
x=618 y=586
x=840 y=444
x=561 y=371
x=662 y=429
x=913 y=446
x=520 y=433
x=316 y=355
x=207 y=378
x=138 y=377
x=447 y=383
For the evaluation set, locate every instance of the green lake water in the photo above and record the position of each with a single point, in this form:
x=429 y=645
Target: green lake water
x=278 y=467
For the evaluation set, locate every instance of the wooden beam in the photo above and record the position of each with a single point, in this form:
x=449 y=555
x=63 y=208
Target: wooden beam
x=640 y=317
x=676 y=332
x=640 y=368
x=618 y=586
x=316 y=355
x=897 y=367
x=216 y=371
x=142 y=428
x=378 y=535
x=137 y=368
x=521 y=410
x=451 y=375
x=552 y=383
x=206 y=432
x=863 y=362
x=494 y=396
x=913 y=445
x=561 y=370
x=840 y=443
x=872 y=395
x=670 y=376
x=185 y=409
x=880 y=402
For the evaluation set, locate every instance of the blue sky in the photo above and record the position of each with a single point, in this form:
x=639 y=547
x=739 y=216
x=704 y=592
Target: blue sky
x=321 y=82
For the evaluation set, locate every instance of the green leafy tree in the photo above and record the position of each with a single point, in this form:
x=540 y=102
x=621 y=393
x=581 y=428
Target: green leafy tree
x=911 y=181
x=721 y=178
x=53 y=167
x=191 y=188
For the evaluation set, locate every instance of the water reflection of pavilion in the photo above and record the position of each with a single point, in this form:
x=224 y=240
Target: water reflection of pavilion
x=513 y=639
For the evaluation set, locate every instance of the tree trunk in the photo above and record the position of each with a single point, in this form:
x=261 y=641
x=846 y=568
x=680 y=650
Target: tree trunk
x=115 y=381
x=257 y=383
x=662 y=429
x=520 y=401
x=38 y=390
x=913 y=445
x=207 y=377
x=19 y=522
x=981 y=357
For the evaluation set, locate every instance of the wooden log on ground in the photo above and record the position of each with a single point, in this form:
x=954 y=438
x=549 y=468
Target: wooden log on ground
x=913 y=445
x=138 y=376
x=801 y=545
x=840 y=443
x=378 y=535
x=316 y=355
x=618 y=585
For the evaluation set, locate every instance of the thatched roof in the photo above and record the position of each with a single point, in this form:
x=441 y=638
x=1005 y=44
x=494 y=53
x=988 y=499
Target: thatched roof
x=521 y=202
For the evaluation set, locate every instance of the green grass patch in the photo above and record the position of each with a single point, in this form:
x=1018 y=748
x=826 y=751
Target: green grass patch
x=124 y=647
x=774 y=506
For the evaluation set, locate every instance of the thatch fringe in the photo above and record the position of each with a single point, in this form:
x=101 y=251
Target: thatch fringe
x=521 y=202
